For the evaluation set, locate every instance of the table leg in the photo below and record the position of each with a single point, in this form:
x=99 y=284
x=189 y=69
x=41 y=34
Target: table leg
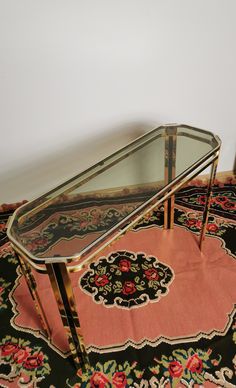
x=32 y=285
x=208 y=201
x=170 y=161
x=63 y=292
x=169 y=205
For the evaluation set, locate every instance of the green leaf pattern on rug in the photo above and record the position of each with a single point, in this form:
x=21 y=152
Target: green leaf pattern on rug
x=7 y=253
x=29 y=365
x=127 y=279
x=186 y=366
x=3 y=293
x=193 y=221
x=107 y=375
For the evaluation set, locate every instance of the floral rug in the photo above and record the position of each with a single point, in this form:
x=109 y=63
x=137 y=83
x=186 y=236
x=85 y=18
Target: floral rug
x=154 y=310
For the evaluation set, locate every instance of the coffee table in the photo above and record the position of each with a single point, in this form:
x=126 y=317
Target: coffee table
x=66 y=229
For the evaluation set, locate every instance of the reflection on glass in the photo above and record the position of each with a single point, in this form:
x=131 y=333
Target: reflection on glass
x=68 y=219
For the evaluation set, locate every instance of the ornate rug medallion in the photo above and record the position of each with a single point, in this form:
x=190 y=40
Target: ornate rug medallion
x=126 y=279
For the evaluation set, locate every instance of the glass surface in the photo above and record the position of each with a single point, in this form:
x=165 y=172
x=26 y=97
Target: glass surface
x=65 y=221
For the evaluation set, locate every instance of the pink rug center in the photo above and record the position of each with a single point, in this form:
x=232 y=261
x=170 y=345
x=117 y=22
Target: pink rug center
x=197 y=302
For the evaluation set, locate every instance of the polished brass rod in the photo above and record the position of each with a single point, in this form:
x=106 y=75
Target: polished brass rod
x=89 y=259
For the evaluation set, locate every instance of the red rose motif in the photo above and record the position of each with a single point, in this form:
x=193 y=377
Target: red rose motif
x=98 y=380
x=215 y=362
x=202 y=199
x=34 y=361
x=36 y=243
x=83 y=224
x=128 y=288
x=41 y=241
x=124 y=265
x=212 y=228
x=194 y=364
x=151 y=274
x=1 y=290
x=193 y=222
x=199 y=224
x=2 y=227
x=119 y=380
x=101 y=280
x=175 y=369
x=21 y=355
x=220 y=199
x=9 y=348
x=6 y=248
x=228 y=205
x=32 y=246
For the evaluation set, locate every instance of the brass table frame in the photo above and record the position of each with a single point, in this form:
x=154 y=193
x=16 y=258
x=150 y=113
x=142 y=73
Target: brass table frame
x=59 y=268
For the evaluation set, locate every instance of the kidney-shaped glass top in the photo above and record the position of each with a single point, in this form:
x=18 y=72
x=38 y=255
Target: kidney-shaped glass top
x=84 y=211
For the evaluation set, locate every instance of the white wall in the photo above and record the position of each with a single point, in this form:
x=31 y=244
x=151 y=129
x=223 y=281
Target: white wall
x=80 y=78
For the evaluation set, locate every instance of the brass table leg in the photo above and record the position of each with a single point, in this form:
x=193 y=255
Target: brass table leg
x=32 y=285
x=170 y=161
x=63 y=292
x=208 y=201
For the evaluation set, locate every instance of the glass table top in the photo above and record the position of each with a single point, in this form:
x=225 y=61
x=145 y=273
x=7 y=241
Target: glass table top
x=73 y=217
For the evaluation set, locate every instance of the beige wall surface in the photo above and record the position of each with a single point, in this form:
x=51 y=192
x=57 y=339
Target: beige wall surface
x=79 y=78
